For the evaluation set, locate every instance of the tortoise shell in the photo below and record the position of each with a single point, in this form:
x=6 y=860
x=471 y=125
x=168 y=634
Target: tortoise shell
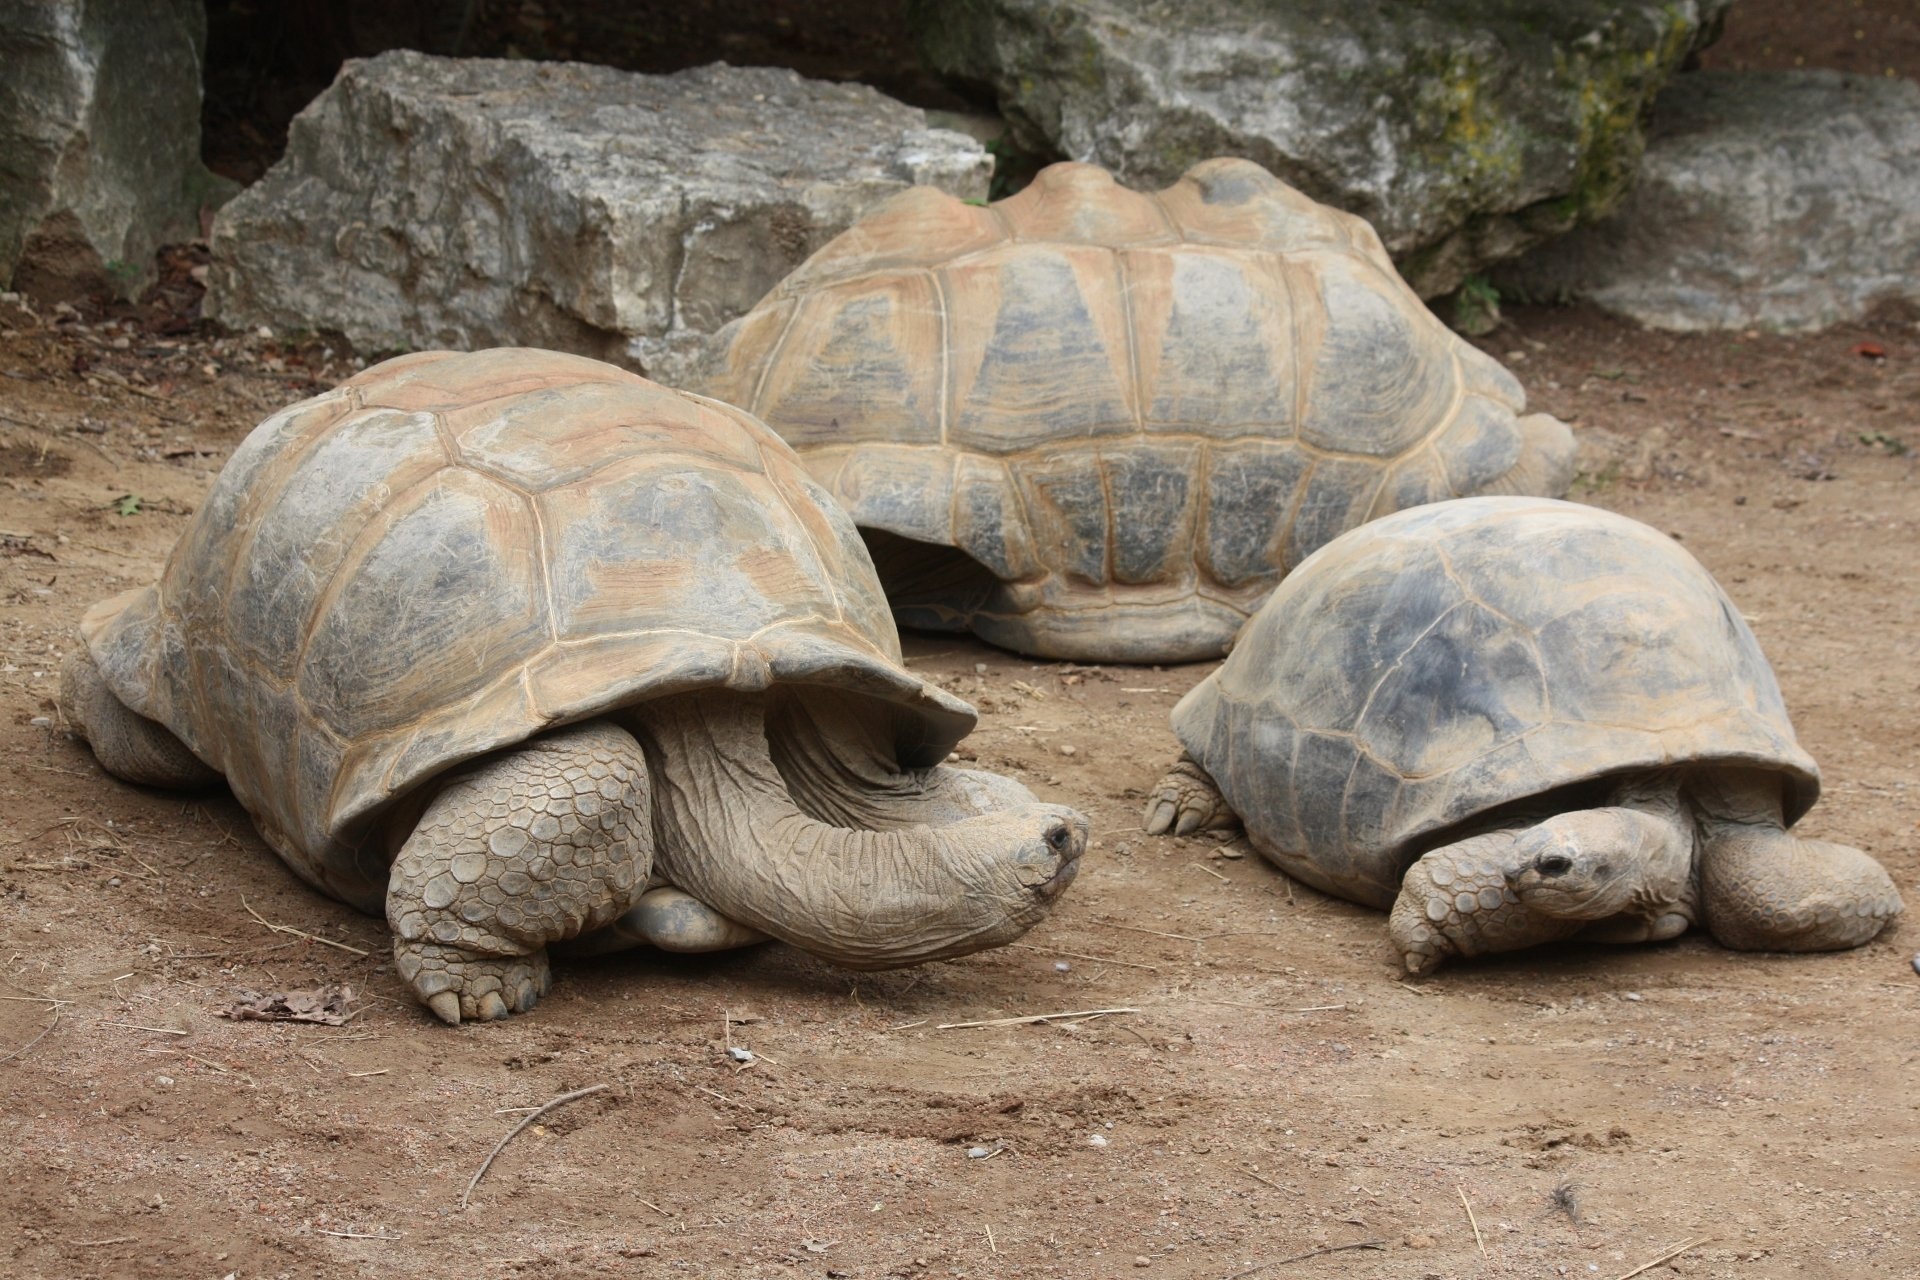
x=1136 y=412
x=1427 y=668
x=450 y=553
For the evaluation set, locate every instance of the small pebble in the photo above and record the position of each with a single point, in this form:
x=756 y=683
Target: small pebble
x=979 y=668
x=740 y=1055
x=1061 y=966
x=978 y=1153
x=1067 y=749
x=41 y=722
x=165 y=1082
x=1141 y=1260
x=1097 y=1140
x=1635 y=996
x=1916 y=962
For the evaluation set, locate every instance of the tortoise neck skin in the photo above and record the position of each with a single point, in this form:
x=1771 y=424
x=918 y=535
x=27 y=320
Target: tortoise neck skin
x=839 y=757
x=731 y=834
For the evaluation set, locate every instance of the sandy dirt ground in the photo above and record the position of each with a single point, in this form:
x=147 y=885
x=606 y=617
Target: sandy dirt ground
x=1273 y=1087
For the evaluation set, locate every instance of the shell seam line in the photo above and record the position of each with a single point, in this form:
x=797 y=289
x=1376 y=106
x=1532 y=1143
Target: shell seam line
x=772 y=358
x=826 y=563
x=946 y=352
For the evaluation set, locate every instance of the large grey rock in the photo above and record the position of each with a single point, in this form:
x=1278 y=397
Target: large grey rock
x=1464 y=130
x=1785 y=199
x=437 y=202
x=99 y=140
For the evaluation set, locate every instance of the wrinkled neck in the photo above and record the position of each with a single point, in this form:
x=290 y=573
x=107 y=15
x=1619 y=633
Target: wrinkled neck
x=731 y=834
x=1730 y=796
x=1665 y=833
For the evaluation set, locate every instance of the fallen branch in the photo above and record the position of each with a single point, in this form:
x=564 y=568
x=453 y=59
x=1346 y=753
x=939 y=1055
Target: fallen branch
x=1032 y=1017
x=359 y=1235
x=1322 y=1251
x=500 y=1146
x=1665 y=1257
x=1081 y=955
x=1471 y=1220
x=732 y=1102
x=37 y=1039
x=298 y=933
x=1158 y=933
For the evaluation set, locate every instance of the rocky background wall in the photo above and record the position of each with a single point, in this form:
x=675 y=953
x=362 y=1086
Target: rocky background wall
x=477 y=190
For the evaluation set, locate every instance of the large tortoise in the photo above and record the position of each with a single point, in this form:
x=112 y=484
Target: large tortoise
x=1086 y=422
x=494 y=642
x=1512 y=720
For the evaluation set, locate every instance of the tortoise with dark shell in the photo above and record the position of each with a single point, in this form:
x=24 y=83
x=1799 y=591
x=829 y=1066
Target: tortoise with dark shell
x=1515 y=720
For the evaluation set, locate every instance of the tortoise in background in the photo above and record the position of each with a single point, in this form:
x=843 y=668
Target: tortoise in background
x=521 y=648
x=1515 y=720
x=1090 y=423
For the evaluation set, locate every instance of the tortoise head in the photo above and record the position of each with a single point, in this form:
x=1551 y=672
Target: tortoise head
x=1590 y=864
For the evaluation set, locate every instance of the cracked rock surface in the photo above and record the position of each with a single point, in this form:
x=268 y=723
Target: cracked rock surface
x=466 y=203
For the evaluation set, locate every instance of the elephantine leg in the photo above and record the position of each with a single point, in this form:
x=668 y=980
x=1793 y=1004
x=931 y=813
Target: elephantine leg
x=127 y=744
x=1457 y=901
x=1185 y=801
x=1766 y=890
x=530 y=847
x=733 y=837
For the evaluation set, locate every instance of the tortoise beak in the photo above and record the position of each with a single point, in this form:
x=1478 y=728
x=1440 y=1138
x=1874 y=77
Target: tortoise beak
x=1069 y=841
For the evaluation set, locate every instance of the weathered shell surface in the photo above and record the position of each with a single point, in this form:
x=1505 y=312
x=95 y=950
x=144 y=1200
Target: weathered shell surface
x=450 y=553
x=1141 y=410
x=1431 y=666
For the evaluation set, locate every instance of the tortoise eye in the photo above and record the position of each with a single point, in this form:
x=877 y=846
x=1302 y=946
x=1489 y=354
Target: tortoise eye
x=1057 y=838
x=1553 y=864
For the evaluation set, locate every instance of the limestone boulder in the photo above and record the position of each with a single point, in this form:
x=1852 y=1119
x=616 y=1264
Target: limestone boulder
x=1464 y=130
x=1780 y=199
x=99 y=140
x=439 y=202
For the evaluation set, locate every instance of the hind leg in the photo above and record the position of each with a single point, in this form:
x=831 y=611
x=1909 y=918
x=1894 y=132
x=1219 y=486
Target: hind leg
x=126 y=743
x=532 y=847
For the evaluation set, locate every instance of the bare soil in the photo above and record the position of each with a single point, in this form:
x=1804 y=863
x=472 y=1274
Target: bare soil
x=1273 y=1087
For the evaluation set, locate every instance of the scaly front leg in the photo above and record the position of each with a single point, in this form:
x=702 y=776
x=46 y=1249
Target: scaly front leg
x=531 y=847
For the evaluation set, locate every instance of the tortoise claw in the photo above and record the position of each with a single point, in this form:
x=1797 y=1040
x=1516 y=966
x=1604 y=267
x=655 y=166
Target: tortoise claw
x=460 y=986
x=1186 y=801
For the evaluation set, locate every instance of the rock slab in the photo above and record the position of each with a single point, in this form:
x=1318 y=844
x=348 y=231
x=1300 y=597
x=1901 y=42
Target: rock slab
x=99 y=140
x=1464 y=130
x=1780 y=199
x=465 y=203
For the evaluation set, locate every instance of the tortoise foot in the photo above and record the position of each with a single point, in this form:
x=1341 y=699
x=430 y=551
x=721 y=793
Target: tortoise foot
x=532 y=847
x=1187 y=801
x=461 y=986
